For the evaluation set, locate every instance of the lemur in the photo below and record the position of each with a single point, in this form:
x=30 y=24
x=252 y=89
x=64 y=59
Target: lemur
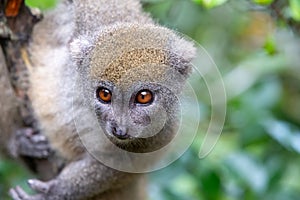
x=110 y=58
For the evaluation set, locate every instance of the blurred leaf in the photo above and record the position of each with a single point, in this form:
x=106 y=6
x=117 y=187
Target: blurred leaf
x=152 y=1
x=263 y=2
x=210 y=3
x=270 y=46
x=250 y=71
x=283 y=133
x=12 y=174
x=184 y=184
x=248 y=171
x=45 y=4
x=211 y=185
x=295 y=9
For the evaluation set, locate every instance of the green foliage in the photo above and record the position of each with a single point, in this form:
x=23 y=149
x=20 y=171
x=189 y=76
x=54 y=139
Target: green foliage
x=45 y=4
x=263 y=2
x=270 y=46
x=295 y=9
x=257 y=156
x=11 y=174
x=210 y=3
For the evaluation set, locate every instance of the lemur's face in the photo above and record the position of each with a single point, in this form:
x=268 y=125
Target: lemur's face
x=135 y=98
x=136 y=114
x=137 y=107
x=134 y=75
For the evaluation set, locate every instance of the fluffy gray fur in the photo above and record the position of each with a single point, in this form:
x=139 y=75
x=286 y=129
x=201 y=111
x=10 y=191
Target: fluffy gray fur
x=84 y=42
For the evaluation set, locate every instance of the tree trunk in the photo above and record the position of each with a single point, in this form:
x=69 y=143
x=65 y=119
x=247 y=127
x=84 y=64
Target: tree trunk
x=16 y=24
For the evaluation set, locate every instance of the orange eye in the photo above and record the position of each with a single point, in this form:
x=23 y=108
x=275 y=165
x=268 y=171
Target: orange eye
x=104 y=95
x=144 y=97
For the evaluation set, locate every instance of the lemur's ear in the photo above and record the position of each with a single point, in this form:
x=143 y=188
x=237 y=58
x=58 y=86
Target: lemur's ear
x=182 y=53
x=80 y=48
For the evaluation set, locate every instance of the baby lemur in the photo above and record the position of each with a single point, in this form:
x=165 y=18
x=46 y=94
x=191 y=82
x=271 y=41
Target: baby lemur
x=109 y=59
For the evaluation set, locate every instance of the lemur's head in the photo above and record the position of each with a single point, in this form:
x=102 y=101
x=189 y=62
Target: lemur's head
x=133 y=75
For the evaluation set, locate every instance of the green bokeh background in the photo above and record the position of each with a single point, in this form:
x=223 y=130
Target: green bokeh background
x=257 y=155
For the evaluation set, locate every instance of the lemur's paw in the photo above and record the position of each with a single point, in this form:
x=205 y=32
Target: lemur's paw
x=32 y=144
x=18 y=193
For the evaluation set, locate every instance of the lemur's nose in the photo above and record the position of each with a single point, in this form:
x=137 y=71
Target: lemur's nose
x=120 y=132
